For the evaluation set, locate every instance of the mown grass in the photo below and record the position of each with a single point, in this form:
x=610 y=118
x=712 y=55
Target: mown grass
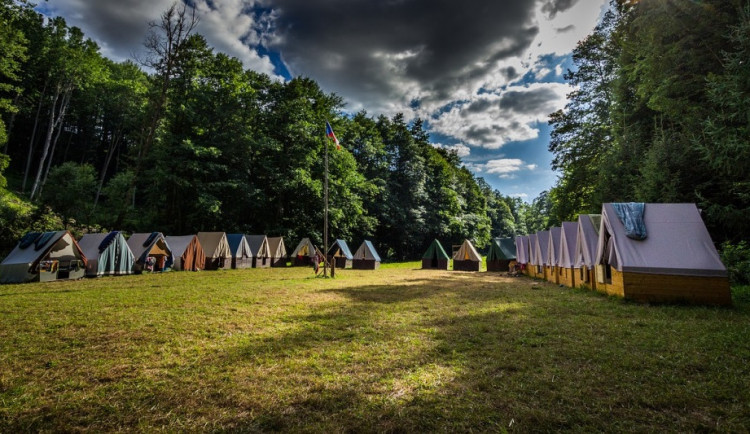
x=393 y=350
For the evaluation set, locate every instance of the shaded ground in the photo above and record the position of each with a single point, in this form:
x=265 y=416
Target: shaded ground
x=397 y=349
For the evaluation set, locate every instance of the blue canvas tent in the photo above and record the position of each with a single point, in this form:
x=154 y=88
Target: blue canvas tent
x=340 y=253
x=107 y=254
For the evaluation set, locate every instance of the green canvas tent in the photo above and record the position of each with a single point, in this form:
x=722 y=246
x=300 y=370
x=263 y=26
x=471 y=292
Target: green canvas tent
x=107 y=254
x=435 y=257
x=502 y=251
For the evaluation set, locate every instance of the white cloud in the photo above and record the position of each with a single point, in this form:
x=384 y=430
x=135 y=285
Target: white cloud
x=460 y=149
x=227 y=27
x=492 y=120
x=504 y=168
x=519 y=195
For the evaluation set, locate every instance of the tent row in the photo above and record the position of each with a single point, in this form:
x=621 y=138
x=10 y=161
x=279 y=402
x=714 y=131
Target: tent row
x=674 y=260
x=57 y=255
x=501 y=253
x=339 y=255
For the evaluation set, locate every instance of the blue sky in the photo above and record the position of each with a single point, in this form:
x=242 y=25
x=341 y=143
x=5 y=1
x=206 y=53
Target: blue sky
x=483 y=74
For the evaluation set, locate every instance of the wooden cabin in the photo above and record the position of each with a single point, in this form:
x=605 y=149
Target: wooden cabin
x=675 y=262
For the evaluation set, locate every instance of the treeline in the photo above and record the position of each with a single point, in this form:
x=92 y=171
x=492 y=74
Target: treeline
x=660 y=113
x=199 y=143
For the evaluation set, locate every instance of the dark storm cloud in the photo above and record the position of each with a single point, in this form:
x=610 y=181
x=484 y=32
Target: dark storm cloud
x=553 y=7
x=531 y=101
x=566 y=29
x=370 y=49
x=121 y=26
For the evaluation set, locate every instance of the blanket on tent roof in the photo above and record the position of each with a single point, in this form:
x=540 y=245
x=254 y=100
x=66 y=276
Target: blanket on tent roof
x=631 y=216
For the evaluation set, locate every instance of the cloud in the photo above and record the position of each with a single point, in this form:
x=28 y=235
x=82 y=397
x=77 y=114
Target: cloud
x=492 y=120
x=381 y=55
x=519 y=195
x=460 y=149
x=120 y=27
x=553 y=7
x=503 y=167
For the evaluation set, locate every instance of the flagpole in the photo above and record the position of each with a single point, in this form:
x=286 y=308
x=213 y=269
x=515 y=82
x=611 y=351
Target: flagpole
x=325 y=214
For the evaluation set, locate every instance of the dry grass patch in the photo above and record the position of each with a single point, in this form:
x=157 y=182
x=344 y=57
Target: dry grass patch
x=397 y=349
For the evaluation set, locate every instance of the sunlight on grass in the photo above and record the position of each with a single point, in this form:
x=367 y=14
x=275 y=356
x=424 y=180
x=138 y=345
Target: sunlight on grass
x=396 y=349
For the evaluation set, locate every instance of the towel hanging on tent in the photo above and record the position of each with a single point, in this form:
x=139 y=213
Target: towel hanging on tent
x=631 y=216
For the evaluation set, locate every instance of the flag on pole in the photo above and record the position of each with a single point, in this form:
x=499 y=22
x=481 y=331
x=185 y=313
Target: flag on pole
x=332 y=136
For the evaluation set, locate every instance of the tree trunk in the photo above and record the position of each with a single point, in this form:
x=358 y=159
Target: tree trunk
x=110 y=153
x=33 y=138
x=55 y=121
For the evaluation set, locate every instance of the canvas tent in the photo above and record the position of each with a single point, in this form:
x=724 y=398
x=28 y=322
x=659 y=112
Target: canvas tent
x=187 y=252
x=340 y=254
x=585 y=252
x=553 y=248
x=531 y=265
x=303 y=255
x=259 y=247
x=677 y=261
x=435 y=257
x=566 y=254
x=501 y=252
x=44 y=257
x=242 y=256
x=366 y=258
x=540 y=252
x=467 y=258
x=107 y=254
x=522 y=249
x=151 y=251
x=216 y=248
x=278 y=251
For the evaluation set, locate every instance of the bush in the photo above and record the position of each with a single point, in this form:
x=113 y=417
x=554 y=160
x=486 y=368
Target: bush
x=736 y=258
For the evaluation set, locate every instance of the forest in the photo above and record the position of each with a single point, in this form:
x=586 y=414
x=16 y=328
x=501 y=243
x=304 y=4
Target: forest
x=186 y=139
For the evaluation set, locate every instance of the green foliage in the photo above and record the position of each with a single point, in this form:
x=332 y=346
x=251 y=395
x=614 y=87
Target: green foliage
x=659 y=114
x=70 y=190
x=736 y=257
x=204 y=144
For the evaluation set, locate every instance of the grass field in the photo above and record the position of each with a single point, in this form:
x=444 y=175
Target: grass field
x=394 y=350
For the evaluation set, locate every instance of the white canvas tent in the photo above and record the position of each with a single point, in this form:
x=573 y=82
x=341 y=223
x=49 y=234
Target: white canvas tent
x=366 y=258
x=259 y=247
x=467 y=258
x=587 y=238
x=677 y=261
x=150 y=245
x=44 y=257
x=278 y=251
x=522 y=249
x=216 y=249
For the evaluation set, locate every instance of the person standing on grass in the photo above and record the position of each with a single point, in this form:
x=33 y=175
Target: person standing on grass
x=316 y=262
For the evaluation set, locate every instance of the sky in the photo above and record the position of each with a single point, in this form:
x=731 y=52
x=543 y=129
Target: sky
x=483 y=74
